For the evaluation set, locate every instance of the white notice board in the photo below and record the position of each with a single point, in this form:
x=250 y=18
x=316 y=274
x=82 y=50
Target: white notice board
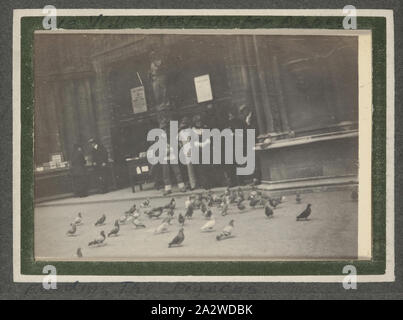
x=203 y=88
x=139 y=102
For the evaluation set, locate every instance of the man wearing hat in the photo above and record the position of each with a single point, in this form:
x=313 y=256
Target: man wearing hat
x=100 y=162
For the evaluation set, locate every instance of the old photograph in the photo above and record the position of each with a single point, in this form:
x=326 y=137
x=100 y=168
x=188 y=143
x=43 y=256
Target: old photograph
x=202 y=145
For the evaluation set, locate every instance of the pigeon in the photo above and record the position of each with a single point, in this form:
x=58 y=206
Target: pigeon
x=305 y=214
x=72 y=230
x=354 y=195
x=188 y=202
x=210 y=201
x=181 y=219
x=217 y=200
x=240 y=205
x=197 y=202
x=262 y=202
x=79 y=253
x=268 y=211
x=254 y=202
x=224 y=209
x=132 y=209
x=155 y=213
x=209 y=225
x=298 y=198
x=137 y=223
x=123 y=219
x=100 y=221
x=178 y=239
x=79 y=220
x=170 y=213
x=227 y=231
x=115 y=230
x=134 y=215
x=274 y=203
x=189 y=212
x=208 y=214
x=171 y=204
x=163 y=227
x=232 y=197
x=203 y=208
x=98 y=241
x=252 y=194
x=145 y=203
x=240 y=194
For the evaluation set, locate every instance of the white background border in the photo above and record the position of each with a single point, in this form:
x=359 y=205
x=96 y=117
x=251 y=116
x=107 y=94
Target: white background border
x=390 y=264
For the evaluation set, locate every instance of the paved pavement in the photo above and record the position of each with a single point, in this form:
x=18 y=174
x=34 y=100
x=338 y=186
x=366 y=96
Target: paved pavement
x=331 y=233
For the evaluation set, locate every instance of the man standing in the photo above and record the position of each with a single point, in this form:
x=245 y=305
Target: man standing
x=249 y=122
x=79 y=171
x=170 y=167
x=100 y=164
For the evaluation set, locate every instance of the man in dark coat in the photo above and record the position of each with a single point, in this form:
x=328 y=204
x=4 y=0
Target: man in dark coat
x=233 y=123
x=249 y=122
x=79 y=172
x=100 y=164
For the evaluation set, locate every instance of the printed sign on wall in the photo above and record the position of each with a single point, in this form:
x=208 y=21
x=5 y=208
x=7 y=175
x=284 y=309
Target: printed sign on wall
x=139 y=102
x=203 y=88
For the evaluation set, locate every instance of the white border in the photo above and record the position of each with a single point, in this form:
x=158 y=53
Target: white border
x=390 y=264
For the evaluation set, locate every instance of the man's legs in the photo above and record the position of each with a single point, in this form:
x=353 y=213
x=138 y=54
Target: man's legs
x=178 y=176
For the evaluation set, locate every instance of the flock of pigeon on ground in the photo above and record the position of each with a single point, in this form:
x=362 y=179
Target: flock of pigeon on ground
x=203 y=202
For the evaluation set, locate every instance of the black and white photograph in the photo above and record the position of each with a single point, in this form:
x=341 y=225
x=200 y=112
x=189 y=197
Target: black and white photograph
x=270 y=124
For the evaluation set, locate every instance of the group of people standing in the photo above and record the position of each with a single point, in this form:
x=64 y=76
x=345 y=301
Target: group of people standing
x=206 y=176
x=99 y=157
x=186 y=176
